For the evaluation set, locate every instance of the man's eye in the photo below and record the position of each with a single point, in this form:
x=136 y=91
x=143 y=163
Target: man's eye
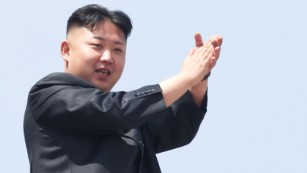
x=117 y=50
x=97 y=46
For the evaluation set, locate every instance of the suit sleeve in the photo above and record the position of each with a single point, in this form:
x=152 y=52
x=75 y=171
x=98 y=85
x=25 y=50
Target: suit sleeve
x=75 y=110
x=179 y=127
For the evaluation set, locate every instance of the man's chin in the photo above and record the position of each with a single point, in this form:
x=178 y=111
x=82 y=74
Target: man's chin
x=103 y=87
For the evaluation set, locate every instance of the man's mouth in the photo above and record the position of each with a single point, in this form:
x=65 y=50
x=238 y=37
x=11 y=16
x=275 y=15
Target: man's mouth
x=104 y=71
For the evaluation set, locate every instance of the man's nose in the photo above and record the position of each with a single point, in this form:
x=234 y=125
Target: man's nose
x=106 y=57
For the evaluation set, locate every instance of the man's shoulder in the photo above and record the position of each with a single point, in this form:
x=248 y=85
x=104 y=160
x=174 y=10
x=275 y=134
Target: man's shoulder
x=61 y=79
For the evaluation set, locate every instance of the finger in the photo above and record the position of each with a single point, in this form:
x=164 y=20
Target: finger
x=205 y=50
x=216 y=56
x=192 y=51
x=198 y=39
x=217 y=51
x=213 y=41
x=219 y=40
x=212 y=63
x=214 y=59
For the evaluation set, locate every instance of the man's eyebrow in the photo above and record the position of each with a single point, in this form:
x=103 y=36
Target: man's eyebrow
x=102 y=39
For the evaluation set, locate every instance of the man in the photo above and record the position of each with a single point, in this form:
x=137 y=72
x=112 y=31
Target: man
x=74 y=123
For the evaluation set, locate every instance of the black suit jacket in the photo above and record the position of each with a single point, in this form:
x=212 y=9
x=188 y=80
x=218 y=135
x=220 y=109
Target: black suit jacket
x=70 y=126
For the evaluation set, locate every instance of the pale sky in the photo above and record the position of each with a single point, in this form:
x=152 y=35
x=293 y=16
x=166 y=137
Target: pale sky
x=257 y=117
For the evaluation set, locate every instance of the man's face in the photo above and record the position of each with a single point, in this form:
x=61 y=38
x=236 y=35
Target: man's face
x=97 y=56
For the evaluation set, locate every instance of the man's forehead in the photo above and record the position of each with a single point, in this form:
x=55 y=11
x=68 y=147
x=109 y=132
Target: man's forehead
x=99 y=35
x=115 y=41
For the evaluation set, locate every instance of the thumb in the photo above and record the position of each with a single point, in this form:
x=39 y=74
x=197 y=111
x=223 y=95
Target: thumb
x=198 y=39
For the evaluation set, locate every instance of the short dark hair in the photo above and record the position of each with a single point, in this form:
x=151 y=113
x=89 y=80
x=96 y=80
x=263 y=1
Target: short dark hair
x=91 y=15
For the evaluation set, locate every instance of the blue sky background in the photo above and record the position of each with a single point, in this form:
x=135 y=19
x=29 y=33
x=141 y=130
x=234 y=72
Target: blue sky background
x=257 y=116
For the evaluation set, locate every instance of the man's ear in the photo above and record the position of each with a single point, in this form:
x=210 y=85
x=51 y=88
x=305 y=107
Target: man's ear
x=65 y=50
